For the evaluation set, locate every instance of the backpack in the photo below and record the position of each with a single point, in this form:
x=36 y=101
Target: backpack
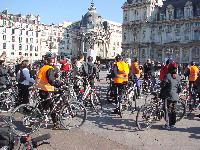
x=6 y=138
x=21 y=76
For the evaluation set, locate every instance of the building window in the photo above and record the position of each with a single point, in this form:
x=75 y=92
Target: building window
x=4 y=37
x=20 y=46
x=26 y=54
x=12 y=53
x=162 y=16
x=197 y=35
x=20 y=53
x=36 y=34
x=197 y=11
x=179 y=13
x=20 y=32
x=13 y=46
x=31 y=40
x=4 y=30
x=20 y=39
x=36 y=54
x=26 y=40
x=31 y=47
x=30 y=54
x=26 y=32
x=13 y=38
x=4 y=45
x=13 y=31
x=26 y=47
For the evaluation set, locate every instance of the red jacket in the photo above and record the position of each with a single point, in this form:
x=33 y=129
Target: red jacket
x=65 y=66
x=163 y=72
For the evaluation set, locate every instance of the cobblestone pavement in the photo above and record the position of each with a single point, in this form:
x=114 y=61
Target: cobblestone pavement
x=112 y=132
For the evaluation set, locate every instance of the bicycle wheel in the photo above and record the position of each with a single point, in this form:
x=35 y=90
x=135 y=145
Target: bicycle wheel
x=96 y=103
x=180 y=110
x=110 y=96
x=25 y=119
x=73 y=115
x=147 y=116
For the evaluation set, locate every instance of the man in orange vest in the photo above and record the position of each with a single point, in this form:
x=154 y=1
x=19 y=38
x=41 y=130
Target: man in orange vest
x=121 y=71
x=135 y=74
x=193 y=72
x=46 y=82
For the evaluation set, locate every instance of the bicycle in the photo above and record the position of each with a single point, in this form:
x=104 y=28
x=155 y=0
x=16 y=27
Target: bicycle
x=157 y=109
x=90 y=96
x=22 y=142
x=8 y=97
x=192 y=103
x=27 y=118
x=125 y=97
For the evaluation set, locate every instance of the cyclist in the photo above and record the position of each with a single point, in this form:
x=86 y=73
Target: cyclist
x=164 y=70
x=192 y=73
x=24 y=83
x=148 y=68
x=89 y=70
x=46 y=82
x=170 y=89
x=121 y=71
x=135 y=74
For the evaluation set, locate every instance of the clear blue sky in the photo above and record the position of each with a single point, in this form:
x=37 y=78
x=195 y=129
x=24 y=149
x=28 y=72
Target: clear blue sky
x=57 y=11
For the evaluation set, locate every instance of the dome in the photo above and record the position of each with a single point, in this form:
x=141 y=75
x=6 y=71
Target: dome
x=91 y=18
x=129 y=1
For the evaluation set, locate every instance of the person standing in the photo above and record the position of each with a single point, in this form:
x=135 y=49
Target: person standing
x=46 y=82
x=135 y=73
x=170 y=89
x=121 y=71
x=192 y=73
x=24 y=83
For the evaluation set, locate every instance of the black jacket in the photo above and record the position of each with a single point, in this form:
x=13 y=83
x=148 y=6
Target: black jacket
x=50 y=74
x=171 y=87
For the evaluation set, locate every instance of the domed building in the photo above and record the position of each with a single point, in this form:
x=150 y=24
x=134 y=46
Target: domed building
x=93 y=35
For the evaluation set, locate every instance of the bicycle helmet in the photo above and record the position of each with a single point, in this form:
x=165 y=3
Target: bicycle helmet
x=192 y=63
x=118 y=57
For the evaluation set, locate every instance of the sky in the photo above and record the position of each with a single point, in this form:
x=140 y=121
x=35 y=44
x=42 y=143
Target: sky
x=57 y=11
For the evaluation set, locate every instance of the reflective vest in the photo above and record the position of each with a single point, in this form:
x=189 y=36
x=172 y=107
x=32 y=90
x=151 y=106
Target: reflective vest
x=122 y=72
x=193 y=73
x=42 y=81
x=135 y=69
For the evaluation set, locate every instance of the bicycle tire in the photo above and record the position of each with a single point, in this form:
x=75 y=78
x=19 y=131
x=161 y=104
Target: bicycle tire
x=150 y=108
x=28 y=122
x=109 y=98
x=69 y=112
x=96 y=103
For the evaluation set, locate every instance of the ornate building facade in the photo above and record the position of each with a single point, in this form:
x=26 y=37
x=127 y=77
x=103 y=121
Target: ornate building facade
x=159 y=29
x=93 y=32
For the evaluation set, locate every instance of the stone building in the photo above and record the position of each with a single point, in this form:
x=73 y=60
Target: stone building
x=26 y=36
x=159 y=29
x=93 y=32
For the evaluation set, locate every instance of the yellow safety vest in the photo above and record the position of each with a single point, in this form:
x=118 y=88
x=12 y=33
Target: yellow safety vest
x=122 y=72
x=42 y=81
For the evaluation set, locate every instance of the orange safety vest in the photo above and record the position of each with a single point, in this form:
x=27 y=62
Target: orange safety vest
x=193 y=73
x=135 y=69
x=42 y=81
x=122 y=72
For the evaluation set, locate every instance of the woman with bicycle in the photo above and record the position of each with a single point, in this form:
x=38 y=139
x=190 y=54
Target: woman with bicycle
x=170 y=88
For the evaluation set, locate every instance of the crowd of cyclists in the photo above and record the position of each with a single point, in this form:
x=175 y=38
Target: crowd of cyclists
x=47 y=75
